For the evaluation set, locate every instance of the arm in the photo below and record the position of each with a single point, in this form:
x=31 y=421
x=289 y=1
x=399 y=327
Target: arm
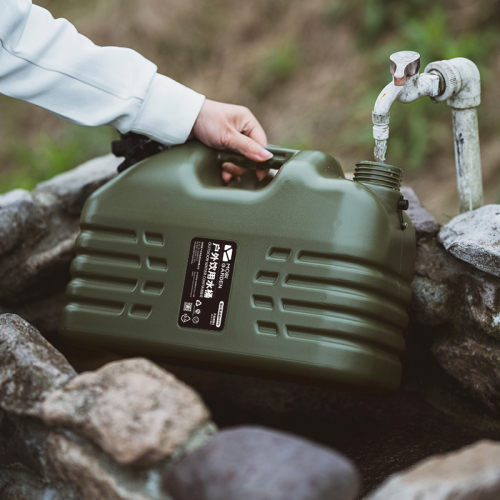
x=45 y=61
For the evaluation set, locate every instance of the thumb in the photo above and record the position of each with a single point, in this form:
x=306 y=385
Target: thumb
x=246 y=146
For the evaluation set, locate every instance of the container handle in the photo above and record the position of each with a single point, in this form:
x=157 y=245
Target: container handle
x=280 y=157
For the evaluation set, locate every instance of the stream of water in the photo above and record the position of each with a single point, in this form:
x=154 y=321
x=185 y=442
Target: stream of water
x=380 y=150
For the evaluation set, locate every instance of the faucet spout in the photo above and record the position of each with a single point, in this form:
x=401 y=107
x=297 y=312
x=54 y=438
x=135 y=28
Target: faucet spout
x=381 y=116
x=385 y=99
x=415 y=87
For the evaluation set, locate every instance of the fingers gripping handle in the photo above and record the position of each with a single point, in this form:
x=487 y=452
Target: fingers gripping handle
x=280 y=157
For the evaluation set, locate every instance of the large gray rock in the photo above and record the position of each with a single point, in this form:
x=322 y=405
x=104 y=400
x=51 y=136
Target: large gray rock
x=471 y=473
x=37 y=235
x=252 y=463
x=37 y=256
x=474 y=237
x=37 y=231
x=463 y=300
x=135 y=411
x=72 y=188
x=30 y=368
x=438 y=290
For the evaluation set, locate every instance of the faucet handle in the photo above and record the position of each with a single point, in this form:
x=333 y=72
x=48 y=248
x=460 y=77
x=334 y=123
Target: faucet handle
x=403 y=65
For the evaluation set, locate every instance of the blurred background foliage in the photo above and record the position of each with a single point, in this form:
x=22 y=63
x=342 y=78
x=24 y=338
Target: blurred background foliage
x=310 y=71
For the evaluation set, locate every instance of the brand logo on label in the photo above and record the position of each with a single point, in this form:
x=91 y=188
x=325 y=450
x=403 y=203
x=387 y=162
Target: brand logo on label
x=185 y=318
x=228 y=253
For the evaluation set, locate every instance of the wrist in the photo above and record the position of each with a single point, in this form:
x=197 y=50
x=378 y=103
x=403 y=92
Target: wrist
x=168 y=112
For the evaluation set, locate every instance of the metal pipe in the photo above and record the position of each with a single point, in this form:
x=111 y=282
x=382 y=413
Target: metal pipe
x=462 y=90
x=467 y=159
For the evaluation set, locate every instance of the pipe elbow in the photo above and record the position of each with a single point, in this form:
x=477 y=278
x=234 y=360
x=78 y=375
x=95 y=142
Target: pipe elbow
x=469 y=95
x=462 y=82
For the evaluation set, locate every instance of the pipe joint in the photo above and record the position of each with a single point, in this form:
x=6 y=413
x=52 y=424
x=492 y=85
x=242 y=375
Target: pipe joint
x=462 y=82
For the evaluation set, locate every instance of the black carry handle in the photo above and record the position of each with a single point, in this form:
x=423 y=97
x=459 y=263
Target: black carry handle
x=280 y=156
x=136 y=147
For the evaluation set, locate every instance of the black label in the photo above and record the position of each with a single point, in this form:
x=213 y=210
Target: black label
x=207 y=284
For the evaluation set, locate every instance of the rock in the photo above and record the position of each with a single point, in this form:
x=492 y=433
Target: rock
x=19 y=484
x=72 y=188
x=474 y=360
x=30 y=368
x=431 y=301
x=22 y=441
x=37 y=267
x=91 y=477
x=425 y=224
x=38 y=231
x=138 y=410
x=468 y=474
x=30 y=276
x=21 y=220
x=474 y=237
x=466 y=302
x=437 y=285
x=135 y=411
x=253 y=463
x=43 y=313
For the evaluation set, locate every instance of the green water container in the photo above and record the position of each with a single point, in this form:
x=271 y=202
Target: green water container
x=306 y=279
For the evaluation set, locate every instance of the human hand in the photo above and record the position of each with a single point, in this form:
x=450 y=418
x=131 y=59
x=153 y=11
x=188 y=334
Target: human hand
x=227 y=126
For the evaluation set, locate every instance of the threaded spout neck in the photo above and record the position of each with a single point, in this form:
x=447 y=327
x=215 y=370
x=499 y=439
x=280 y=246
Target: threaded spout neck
x=379 y=174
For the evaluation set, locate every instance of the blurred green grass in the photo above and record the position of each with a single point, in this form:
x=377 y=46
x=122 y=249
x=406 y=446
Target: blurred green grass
x=50 y=155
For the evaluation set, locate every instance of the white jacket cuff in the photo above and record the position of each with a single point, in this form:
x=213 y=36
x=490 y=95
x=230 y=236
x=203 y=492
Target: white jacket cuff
x=168 y=112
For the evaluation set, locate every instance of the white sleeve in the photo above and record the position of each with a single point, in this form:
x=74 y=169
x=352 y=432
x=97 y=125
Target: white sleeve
x=45 y=61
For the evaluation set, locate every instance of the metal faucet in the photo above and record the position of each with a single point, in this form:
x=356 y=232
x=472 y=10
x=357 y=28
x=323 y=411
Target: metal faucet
x=456 y=80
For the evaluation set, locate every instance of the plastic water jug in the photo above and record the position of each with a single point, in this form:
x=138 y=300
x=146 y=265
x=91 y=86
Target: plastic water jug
x=305 y=279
